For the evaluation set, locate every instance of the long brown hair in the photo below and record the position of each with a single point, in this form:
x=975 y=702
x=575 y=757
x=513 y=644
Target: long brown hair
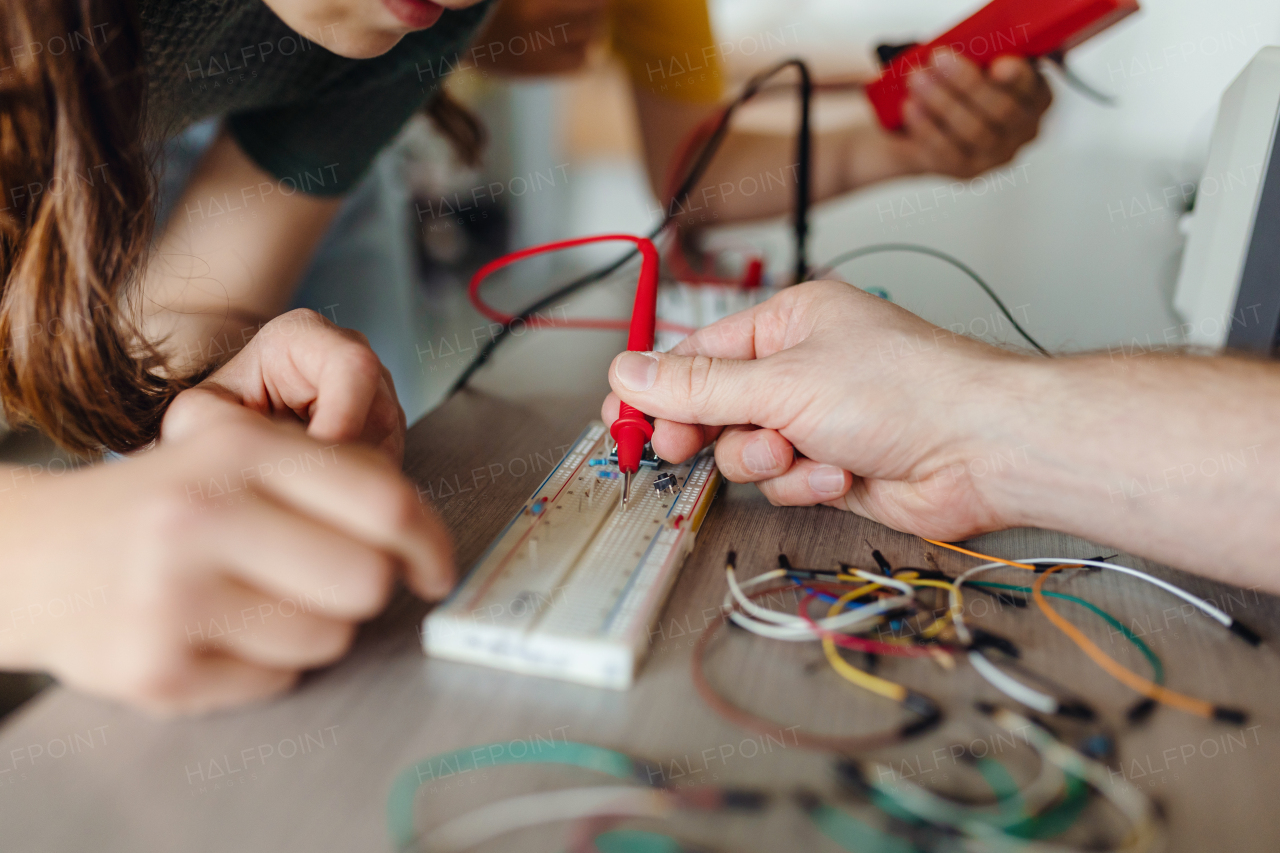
x=463 y=130
x=76 y=222
x=75 y=225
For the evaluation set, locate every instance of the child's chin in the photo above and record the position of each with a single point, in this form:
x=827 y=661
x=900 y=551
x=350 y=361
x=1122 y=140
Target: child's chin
x=365 y=45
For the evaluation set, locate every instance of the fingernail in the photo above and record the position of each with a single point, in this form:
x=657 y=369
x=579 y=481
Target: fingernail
x=827 y=480
x=758 y=456
x=1005 y=71
x=944 y=59
x=919 y=81
x=637 y=370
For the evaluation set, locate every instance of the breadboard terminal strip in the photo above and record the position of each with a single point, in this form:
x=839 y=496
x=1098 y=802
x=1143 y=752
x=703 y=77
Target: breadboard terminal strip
x=573 y=584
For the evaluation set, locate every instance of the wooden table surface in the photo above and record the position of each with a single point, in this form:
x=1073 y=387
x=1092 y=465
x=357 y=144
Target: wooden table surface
x=311 y=771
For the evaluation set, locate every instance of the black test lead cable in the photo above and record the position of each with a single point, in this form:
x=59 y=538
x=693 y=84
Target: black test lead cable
x=804 y=156
x=1075 y=81
x=852 y=254
x=804 y=153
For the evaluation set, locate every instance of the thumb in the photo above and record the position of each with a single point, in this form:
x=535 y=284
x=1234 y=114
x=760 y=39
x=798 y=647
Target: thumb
x=692 y=389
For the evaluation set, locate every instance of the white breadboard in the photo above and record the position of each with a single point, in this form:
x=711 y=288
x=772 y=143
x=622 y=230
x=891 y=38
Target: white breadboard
x=698 y=305
x=573 y=584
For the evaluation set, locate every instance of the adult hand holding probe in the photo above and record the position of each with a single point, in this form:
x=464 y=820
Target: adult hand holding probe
x=944 y=436
x=631 y=428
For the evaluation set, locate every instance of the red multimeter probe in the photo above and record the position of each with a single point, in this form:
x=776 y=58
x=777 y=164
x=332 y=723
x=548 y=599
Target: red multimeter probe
x=633 y=429
x=1029 y=28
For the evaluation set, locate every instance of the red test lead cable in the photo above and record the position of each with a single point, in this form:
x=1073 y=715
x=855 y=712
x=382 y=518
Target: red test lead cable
x=632 y=430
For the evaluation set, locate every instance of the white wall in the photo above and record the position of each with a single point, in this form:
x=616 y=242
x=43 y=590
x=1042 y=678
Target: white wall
x=1070 y=233
x=1168 y=63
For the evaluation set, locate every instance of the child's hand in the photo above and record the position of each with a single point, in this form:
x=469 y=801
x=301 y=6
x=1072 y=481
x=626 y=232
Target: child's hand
x=958 y=120
x=214 y=569
x=301 y=366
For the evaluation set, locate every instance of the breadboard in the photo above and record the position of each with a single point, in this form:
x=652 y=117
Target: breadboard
x=573 y=584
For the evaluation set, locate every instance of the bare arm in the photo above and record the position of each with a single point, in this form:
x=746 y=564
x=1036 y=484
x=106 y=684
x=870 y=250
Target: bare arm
x=960 y=121
x=227 y=263
x=229 y=258
x=768 y=159
x=1173 y=456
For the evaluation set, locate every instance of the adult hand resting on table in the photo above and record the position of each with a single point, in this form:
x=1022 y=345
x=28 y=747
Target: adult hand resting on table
x=827 y=395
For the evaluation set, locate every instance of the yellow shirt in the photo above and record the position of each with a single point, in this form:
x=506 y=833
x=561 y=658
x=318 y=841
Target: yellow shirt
x=668 y=47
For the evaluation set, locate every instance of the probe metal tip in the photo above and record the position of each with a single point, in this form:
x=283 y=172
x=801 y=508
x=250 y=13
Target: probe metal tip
x=626 y=488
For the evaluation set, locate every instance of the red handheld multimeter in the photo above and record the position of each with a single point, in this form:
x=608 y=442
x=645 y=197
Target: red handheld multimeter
x=1001 y=28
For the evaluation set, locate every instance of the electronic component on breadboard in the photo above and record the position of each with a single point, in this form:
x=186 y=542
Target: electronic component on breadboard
x=574 y=583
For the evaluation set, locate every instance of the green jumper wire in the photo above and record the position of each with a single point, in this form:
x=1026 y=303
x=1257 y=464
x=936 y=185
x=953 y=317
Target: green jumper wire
x=1157 y=667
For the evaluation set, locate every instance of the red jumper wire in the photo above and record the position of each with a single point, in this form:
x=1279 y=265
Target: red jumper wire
x=632 y=430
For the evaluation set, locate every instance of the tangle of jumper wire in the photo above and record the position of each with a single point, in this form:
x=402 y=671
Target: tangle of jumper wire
x=1018 y=819
x=638 y=789
x=948 y=633
x=860 y=601
x=1043 y=567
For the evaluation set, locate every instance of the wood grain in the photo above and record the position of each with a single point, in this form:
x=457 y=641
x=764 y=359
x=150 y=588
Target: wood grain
x=233 y=781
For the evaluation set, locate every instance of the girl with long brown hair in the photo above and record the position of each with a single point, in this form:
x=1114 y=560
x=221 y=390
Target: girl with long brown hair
x=114 y=337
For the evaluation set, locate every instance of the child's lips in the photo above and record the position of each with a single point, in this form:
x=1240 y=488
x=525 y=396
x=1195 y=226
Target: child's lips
x=415 y=14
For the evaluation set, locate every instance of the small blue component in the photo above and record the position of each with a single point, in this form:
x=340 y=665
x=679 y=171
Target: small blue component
x=1099 y=747
x=536 y=509
x=607 y=475
x=595 y=463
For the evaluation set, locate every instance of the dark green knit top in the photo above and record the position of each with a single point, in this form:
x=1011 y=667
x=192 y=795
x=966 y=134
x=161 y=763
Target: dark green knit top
x=299 y=111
